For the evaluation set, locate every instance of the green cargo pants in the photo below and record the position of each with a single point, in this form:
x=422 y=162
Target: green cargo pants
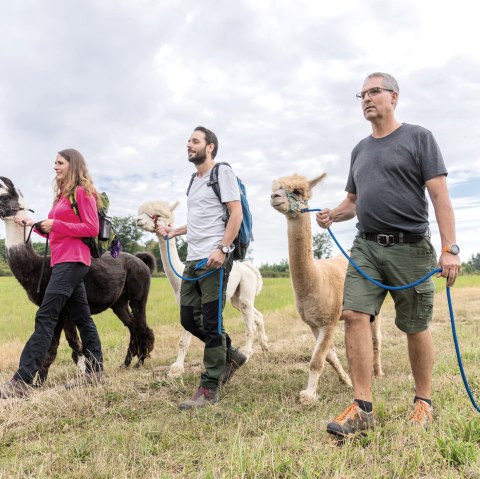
x=199 y=315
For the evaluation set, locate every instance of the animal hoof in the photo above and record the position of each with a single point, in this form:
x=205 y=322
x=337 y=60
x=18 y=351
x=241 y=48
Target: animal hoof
x=176 y=370
x=82 y=367
x=347 y=382
x=249 y=354
x=306 y=398
x=379 y=374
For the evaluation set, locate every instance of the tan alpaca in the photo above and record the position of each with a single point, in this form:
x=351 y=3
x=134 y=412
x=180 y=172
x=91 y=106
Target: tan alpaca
x=317 y=284
x=245 y=282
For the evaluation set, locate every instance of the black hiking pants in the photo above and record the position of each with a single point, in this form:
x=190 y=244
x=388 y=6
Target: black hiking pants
x=65 y=290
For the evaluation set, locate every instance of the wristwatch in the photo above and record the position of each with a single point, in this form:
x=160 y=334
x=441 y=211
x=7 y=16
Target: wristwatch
x=453 y=249
x=225 y=249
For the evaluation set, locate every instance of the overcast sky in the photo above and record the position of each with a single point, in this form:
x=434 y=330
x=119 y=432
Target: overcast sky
x=126 y=82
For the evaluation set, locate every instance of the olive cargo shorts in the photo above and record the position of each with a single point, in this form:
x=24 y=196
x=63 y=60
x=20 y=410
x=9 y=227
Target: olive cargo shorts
x=395 y=265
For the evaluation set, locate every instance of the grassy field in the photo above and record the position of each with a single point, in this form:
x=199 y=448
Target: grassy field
x=131 y=427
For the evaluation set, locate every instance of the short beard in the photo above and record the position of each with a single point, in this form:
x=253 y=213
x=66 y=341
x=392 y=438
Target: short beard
x=199 y=158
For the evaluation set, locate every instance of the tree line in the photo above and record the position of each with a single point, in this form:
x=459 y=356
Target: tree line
x=131 y=238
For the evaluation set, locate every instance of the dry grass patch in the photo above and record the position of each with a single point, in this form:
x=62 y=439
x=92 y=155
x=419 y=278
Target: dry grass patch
x=130 y=427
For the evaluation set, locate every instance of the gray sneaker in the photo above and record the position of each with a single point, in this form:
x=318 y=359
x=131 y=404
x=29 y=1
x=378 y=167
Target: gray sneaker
x=352 y=421
x=15 y=389
x=203 y=397
x=235 y=359
x=88 y=379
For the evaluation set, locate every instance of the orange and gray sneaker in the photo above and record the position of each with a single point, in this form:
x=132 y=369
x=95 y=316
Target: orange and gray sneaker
x=352 y=421
x=422 y=414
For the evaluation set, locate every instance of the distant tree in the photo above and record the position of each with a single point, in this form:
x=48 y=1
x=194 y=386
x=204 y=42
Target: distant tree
x=2 y=249
x=152 y=246
x=4 y=269
x=275 y=270
x=128 y=233
x=322 y=245
x=474 y=261
x=182 y=246
x=39 y=247
x=472 y=266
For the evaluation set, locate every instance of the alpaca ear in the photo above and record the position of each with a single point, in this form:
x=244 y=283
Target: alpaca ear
x=315 y=181
x=173 y=205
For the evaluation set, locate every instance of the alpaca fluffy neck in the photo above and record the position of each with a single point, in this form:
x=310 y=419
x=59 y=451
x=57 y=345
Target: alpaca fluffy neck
x=174 y=280
x=300 y=251
x=24 y=262
x=14 y=233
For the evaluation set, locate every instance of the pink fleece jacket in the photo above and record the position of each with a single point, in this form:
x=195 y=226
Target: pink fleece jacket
x=66 y=244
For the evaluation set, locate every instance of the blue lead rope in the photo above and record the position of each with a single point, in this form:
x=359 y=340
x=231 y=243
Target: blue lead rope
x=396 y=288
x=199 y=265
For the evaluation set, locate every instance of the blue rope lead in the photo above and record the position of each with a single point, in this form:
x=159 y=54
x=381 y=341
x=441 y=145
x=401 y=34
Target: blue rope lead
x=199 y=265
x=393 y=288
x=457 y=351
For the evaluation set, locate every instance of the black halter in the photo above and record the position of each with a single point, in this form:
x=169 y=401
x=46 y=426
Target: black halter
x=12 y=211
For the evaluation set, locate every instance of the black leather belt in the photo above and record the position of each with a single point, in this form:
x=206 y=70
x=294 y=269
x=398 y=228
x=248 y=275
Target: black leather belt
x=389 y=239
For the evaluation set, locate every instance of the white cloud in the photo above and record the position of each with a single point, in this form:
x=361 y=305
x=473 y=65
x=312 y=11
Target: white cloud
x=126 y=82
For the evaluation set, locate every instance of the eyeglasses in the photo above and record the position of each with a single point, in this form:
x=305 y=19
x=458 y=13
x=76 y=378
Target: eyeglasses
x=371 y=92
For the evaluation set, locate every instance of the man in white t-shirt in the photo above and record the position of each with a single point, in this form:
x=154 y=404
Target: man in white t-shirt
x=209 y=237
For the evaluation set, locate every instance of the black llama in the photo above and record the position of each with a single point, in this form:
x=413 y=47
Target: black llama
x=121 y=284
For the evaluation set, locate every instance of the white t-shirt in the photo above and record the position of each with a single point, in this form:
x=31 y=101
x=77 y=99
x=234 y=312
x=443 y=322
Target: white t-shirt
x=205 y=213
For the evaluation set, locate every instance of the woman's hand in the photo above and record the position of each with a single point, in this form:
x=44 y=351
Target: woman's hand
x=46 y=226
x=23 y=220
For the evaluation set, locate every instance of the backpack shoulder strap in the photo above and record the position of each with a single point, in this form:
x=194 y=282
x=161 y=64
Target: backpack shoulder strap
x=191 y=181
x=73 y=202
x=214 y=179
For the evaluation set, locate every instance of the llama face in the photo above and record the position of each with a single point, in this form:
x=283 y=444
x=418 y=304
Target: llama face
x=154 y=213
x=9 y=199
x=290 y=194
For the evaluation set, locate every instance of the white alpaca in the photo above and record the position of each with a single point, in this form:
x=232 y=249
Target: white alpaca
x=317 y=284
x=244 y=283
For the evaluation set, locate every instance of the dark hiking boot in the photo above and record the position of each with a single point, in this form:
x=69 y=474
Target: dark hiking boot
x=15 y=389
x=234 y=361
x=352 y=421
x=88 y=379
x=422 y=414
x=203 y=397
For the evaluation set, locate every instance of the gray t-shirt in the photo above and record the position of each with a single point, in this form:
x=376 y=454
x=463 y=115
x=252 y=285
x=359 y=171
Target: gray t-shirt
x=388 y=176
x=205 y=214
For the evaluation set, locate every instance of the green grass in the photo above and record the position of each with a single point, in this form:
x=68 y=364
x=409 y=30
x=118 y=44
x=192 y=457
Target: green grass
x=132 y=428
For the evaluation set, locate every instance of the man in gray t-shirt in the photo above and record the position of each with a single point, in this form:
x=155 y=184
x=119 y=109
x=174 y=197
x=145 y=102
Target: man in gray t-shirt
x=209 y=238
x=390 y=172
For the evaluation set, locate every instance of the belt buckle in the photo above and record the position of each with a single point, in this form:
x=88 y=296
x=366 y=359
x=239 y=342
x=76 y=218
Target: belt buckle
x=385 y=240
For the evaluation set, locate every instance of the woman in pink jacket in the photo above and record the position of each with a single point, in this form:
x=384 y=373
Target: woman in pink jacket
x=70 y=262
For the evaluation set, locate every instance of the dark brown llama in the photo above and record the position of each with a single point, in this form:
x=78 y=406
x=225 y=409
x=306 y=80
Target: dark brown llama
x=121 y=284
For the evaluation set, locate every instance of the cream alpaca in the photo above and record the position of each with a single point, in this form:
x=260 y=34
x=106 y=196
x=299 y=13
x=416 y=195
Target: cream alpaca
x=245 y=282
